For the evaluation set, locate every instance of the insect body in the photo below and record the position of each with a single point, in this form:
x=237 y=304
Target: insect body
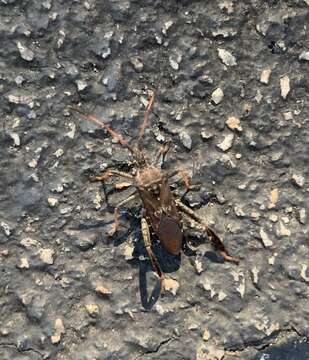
x=162 y=211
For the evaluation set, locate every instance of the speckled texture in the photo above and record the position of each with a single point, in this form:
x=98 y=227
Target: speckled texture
x=57 y=263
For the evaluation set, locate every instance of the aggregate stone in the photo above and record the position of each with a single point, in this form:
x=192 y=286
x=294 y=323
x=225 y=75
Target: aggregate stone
x=70 y=291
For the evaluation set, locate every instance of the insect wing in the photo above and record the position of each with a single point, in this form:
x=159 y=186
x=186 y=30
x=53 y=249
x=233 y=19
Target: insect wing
x=169 y=232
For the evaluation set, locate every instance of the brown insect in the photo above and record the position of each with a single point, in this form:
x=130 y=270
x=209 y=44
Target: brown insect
x=161 y=210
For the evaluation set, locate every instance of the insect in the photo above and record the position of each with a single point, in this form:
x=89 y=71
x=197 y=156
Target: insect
x=162 y=212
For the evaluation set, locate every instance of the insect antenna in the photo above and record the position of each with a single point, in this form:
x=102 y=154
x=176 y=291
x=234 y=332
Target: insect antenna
x=145 y=122
x=102 y=124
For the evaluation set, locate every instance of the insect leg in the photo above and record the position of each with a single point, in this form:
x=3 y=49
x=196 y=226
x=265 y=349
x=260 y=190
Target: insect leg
x=147 y=242
x=214 y=238
x=145 y=122
x=162 y=152
x=115 y=225
x=108 y=173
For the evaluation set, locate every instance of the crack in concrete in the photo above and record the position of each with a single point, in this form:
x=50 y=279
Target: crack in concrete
x=156 y=349
x=259 y=344
x=18 y=350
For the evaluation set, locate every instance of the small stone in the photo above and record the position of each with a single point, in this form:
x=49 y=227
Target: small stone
x=185 y=139
x=6 y=228
x=265 y=75
x=47 y=256
x=198 y=265
x=81 y=85
x=221 y=295
x=274 y=196
x=92 y=309
x=285 y=86
x=298 y=180
x=170 y=285
x=217 y=96
x=59 y=330
x=174 y=64
x=303 y=272
x=25 y=53
x=238 y=156
x=273 y=217
x=288 y=116
x=15 y=138
x=137 y=64
x=28 y=242
x=305 y=54
x=102 y=290
x=255 y=273
x=233 y=123
x=19 y=79
x=239 y=211
x=206 y=135
x=33 y=163
x=226 y=57
x=52 y=202
x=24 y=263
x=71 y=133
x=302 y=217
x=59 y=153
x=255 y=216
x=265 y=239
x=206 y=335
x=282 y=230
x=227 y=143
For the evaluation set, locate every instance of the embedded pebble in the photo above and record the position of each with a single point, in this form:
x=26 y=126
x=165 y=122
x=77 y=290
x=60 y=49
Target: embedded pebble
x=304 y=56
x=185 y=139
x=217 y=96
x=47 y=256
x=58 y=331
x=282 y=230
x=303 y=272
x=227 y=143
x=206 y=135
x=302 y=216
x=92 y=309
x=233 y=123
x=25 y=52
x=52 y=201
x=6 y=228
x=28 y=242
x=265 y=238
x=255 y=273
x=170 y=285
x=81 y=85
x=285 y=86
x=265 y=75
x=226 y=57
x=274 y=196
x=298 y=180
x=23 y=263
x=15 y=138
x=137 y=64
x=206 y=335
x=33 y=163
x=102 y=290
x=174 y=64
x=71 y=133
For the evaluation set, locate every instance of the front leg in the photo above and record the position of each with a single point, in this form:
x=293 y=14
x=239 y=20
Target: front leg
x=108 y=173
x=115 y=225
x=147 y=241
x=214 y=238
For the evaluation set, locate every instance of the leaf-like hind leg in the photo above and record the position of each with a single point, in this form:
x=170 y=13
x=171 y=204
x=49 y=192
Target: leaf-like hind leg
x=115 y=225
x=214 y=238
x=152 y=257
